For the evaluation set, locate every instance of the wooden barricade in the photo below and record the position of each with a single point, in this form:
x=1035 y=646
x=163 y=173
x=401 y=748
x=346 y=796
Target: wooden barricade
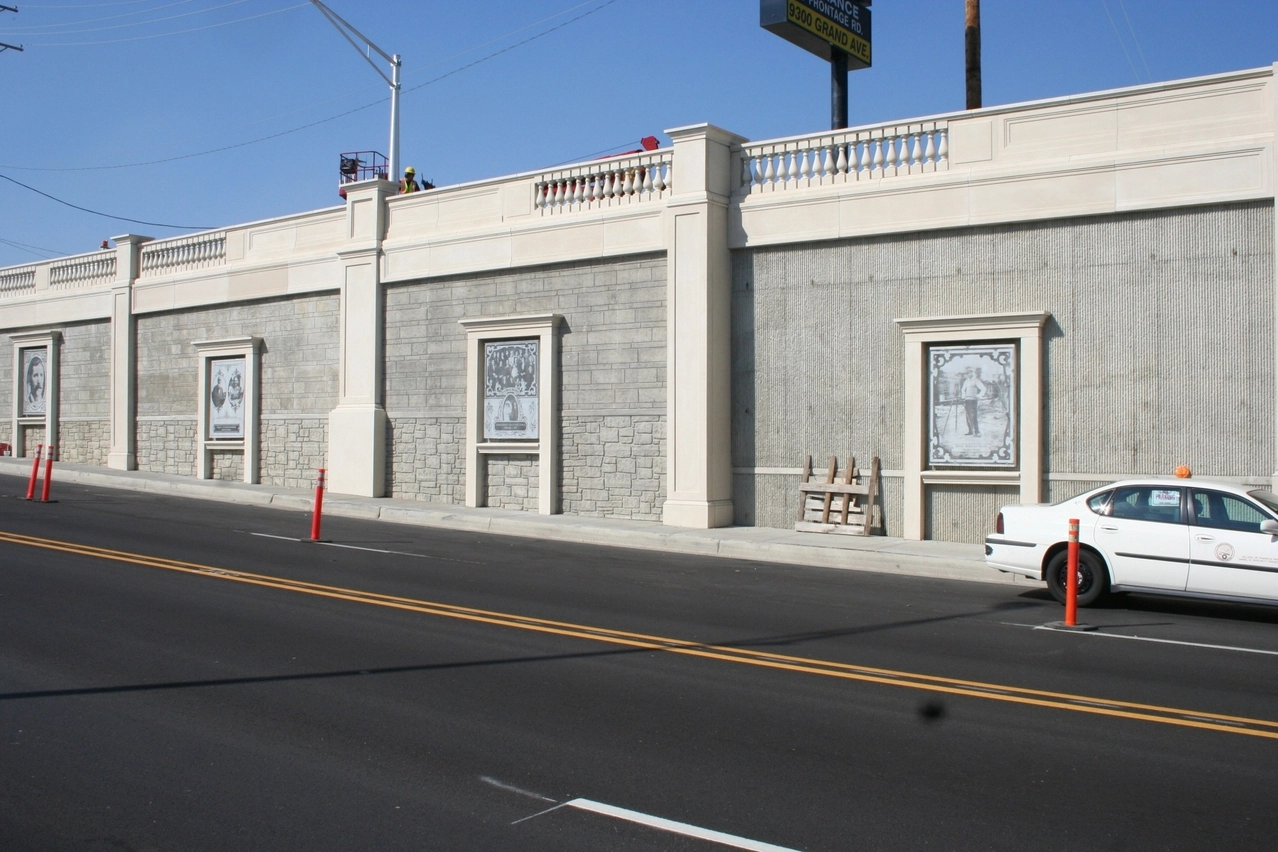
x=847 y=508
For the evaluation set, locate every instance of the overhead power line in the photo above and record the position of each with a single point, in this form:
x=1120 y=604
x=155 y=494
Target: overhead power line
x=330 y=118
x=105 y=215
x=107 y=18
x=171 y=33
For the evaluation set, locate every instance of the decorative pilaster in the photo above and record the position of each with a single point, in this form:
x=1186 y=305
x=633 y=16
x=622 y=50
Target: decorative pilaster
x=698 y=330
x=123 y=453
x=357 y=426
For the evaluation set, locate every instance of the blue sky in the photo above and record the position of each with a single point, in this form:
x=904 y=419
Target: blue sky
x=96 y=90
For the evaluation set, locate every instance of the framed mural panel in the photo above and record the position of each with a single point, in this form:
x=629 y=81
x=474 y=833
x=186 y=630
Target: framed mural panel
x=512 y=385
x=974 y=394
x=226 y=398
x=972 y=412
x=512 y=402
x=34 y=388
x=35 y=382
x=229 y=403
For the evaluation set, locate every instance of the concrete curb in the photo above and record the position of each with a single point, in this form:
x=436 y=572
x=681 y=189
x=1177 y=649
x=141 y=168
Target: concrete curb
x=936 y=560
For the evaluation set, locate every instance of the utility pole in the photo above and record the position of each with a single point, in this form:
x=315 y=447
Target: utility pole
x=972 y=38
x=393 y=80
x=3 y=46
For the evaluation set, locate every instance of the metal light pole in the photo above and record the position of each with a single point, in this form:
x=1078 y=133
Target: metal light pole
x=347 y=30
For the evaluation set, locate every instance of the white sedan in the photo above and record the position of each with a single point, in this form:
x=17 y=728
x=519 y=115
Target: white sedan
x=1175 y=537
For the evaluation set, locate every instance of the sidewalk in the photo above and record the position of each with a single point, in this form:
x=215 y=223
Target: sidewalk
x=942 y=560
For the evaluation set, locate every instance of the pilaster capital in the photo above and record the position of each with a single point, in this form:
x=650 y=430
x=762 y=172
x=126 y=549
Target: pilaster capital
x=128 y=259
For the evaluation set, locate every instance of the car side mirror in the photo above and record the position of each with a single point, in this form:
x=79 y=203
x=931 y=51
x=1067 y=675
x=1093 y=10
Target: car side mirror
x=1269 y=527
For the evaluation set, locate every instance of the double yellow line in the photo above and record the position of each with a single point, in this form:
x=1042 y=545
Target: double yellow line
x=805 y=665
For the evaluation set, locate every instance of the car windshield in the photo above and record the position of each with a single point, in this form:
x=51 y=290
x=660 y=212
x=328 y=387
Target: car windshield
x=1268 y=498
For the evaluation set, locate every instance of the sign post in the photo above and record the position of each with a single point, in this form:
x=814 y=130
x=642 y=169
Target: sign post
x=835 y=30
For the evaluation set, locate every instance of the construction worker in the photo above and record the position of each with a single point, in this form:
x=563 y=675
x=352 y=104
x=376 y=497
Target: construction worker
x=409 y=183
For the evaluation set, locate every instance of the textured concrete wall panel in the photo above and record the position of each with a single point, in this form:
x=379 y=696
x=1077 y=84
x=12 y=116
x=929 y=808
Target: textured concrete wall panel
x=1159 y=351
x=963 y=512
x=772 y=500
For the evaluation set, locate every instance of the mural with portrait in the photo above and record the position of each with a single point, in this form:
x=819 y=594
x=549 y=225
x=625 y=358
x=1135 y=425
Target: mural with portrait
x=226 y=398
x=511 y=392
x=35 y=381
x=972 y=406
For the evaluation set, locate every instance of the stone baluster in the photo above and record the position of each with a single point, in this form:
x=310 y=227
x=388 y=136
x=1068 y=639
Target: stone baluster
x=916 y=152
x=769 y=173
x=943 y=149
x=929 y=152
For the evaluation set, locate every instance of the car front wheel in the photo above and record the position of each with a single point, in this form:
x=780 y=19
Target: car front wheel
x=1093 y=582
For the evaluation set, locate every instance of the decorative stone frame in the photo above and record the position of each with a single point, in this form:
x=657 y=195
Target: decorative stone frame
x=51 y=341
x=249 y=348
x=543 y=327
x=1026 y=330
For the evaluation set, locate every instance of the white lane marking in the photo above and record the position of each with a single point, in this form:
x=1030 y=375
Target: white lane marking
x=366 y=549
x=539 y=813
x=513 y=789
x=675 y=827
x=1236 y=648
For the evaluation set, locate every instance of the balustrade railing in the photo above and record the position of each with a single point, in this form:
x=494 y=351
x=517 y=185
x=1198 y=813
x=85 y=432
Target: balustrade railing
x=15 y=282
x=844 y=157
x=184 y=253
x=83 y=271
x=607 y=183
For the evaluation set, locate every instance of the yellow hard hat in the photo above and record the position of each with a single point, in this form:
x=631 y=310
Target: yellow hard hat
x=410 y=171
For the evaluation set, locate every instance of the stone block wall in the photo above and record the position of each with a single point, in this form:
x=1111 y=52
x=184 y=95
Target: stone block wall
x=512 y=481
x=426 y=459
x=227 y=465
x=32 y=436
x=614 y=463
x=84 y=393
x=298 y=383
x=293 y=450
x=84 y=441
x=612 y=380
x=8 y=382
x=167 y=445
x=1159 y=350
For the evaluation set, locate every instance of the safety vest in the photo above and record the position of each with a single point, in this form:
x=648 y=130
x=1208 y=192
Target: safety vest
x=408 y=185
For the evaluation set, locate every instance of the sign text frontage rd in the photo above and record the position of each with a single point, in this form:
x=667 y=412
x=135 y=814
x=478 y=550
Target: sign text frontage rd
x=822 y=27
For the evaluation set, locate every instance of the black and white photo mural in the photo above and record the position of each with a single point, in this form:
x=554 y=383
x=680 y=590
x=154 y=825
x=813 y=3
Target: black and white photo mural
x=972 y=405
x=35 y=376
x=511 y=404
x=226 y=398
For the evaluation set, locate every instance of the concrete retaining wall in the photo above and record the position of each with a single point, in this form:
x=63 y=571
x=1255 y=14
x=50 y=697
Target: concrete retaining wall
x=298 y=385
x=1162 y=332
x=612 y=382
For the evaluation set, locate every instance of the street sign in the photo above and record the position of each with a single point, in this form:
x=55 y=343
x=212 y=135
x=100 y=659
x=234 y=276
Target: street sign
x=823 y=27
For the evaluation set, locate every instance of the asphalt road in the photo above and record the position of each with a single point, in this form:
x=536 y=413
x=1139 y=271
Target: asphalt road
x=172 y=678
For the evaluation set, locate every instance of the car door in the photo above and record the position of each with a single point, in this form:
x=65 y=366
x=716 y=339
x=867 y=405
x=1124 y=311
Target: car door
x=1145 y=537
x=1229 y=555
